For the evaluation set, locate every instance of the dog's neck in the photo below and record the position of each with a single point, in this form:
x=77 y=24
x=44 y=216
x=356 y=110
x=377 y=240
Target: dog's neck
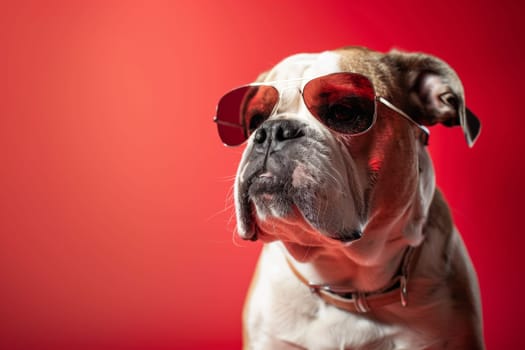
x=370 y=263
x=317 y=266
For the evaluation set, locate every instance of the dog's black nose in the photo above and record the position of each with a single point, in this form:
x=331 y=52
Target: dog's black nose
x=278 y=131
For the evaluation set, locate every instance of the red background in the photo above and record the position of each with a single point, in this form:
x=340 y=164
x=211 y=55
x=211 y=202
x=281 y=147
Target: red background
x=115 y=209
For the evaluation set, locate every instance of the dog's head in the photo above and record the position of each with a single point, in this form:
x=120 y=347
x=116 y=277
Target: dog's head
x=331 y=158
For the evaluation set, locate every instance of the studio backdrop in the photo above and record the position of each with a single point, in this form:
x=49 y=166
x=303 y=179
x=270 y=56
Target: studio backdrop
x=116 y=210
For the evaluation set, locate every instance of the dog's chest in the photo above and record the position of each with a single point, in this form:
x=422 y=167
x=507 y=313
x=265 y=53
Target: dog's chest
x=331 y=328
x=283 y=309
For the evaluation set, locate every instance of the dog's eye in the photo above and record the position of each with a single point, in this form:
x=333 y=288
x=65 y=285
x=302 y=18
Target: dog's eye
x=350 y=115
x=255 y=121
x=343 y=113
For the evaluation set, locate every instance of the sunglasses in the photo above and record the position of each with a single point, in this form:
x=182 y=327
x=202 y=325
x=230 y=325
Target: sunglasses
x=346 y=103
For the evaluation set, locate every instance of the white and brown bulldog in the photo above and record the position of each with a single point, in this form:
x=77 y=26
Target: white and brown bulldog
x=360 y=251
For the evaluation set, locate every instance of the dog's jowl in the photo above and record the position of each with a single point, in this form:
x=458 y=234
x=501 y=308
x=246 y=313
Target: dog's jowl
x=360 y=250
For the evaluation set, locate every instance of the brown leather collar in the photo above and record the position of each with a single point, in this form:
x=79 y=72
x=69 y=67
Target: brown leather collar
x=362 y=302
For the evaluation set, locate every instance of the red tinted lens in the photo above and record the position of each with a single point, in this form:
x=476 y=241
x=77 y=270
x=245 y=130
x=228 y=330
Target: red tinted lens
x=242 y=110
x=344 y=102
x=229 y=119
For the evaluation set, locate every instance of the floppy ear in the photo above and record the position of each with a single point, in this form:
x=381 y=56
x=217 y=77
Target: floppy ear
x=435 y=92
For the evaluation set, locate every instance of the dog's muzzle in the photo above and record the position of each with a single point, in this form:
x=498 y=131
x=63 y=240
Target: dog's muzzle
x=287 y=171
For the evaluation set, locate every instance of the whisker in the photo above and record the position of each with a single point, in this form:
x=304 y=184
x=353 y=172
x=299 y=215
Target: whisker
x=220 y=212
x=308 y=247
x=227 y=178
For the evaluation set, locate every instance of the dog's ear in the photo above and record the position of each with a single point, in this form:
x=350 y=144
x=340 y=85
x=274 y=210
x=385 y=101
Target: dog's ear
x=435 y=92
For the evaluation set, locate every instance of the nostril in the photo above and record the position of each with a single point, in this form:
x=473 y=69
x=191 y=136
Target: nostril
x=278 y=131
x=260 y=136
x=289 y=132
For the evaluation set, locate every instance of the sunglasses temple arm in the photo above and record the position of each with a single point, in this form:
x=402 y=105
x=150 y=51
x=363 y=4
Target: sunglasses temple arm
x=406 y=116
x=222 y=122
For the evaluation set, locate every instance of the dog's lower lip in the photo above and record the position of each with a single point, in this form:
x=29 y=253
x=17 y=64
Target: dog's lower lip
x=266 y=184
x=267 y=174
x=349 y=236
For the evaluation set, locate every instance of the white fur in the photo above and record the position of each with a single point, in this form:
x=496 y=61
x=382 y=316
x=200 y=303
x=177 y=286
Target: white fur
x=312 y=324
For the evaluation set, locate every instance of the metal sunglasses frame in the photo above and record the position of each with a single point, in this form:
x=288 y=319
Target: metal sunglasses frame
x=281 y=85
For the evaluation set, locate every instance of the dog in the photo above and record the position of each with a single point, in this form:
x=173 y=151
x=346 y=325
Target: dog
x=360 y=249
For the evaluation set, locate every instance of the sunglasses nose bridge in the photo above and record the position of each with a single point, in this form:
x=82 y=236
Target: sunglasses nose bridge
x=288 y=102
